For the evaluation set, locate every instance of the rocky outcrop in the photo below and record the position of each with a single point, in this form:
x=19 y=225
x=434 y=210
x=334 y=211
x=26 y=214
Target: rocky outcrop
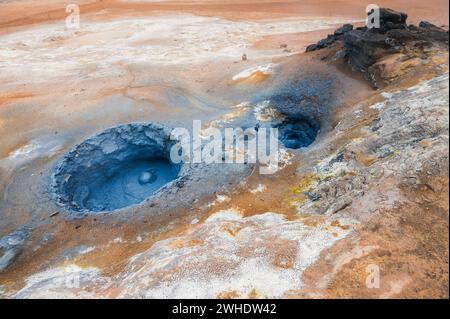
x=390 y=19
x=363 y=47
x=331 y=38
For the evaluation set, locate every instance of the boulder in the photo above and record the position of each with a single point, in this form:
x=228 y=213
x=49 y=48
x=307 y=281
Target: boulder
x=344 y=29
x=365 y=48
x=427 y=25
x=324 y=43
x=312 y=47
x=389 y=15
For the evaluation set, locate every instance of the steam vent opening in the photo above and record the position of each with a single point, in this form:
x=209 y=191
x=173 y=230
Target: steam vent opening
x=120 y=167
x=298 y=134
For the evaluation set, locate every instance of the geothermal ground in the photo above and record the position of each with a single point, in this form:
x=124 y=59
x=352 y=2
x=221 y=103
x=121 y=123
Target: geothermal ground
x=358 y=209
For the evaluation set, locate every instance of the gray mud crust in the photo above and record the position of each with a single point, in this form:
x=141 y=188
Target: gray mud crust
x=129 y=165
x=121 y=166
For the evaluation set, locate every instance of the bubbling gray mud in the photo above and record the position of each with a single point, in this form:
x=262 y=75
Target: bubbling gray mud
x=298 y=134
x=120 y=167
x=304 y=104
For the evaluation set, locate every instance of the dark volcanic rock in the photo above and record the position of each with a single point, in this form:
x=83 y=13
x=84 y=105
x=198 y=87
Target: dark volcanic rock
x=362 y=47
x=391 y=16
x=365 y=47
x=330 y=39
x=312 y=47
x=324 y=43
x=428 y=25
x=403 y=35
x=344 y=29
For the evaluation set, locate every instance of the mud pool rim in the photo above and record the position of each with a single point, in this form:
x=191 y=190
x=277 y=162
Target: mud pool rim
x=104 y=157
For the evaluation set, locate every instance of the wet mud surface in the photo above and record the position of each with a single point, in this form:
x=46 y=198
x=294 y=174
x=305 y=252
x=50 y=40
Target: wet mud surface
x=117 y=168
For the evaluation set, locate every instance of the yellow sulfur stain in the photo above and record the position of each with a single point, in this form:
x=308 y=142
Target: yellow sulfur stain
x=254 y=78
x=230 y=294
x=254 y=294
x=365 y=159
x=306 y=183
x=425 y=143
x=336 y=223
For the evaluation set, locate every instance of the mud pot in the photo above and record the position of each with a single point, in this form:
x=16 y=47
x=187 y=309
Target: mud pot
x=117 y=168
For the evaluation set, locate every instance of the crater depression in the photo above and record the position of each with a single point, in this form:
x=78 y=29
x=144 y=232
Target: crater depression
x=120 y=167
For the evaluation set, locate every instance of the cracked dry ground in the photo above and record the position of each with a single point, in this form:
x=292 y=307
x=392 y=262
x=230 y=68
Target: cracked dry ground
x=372 y=190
